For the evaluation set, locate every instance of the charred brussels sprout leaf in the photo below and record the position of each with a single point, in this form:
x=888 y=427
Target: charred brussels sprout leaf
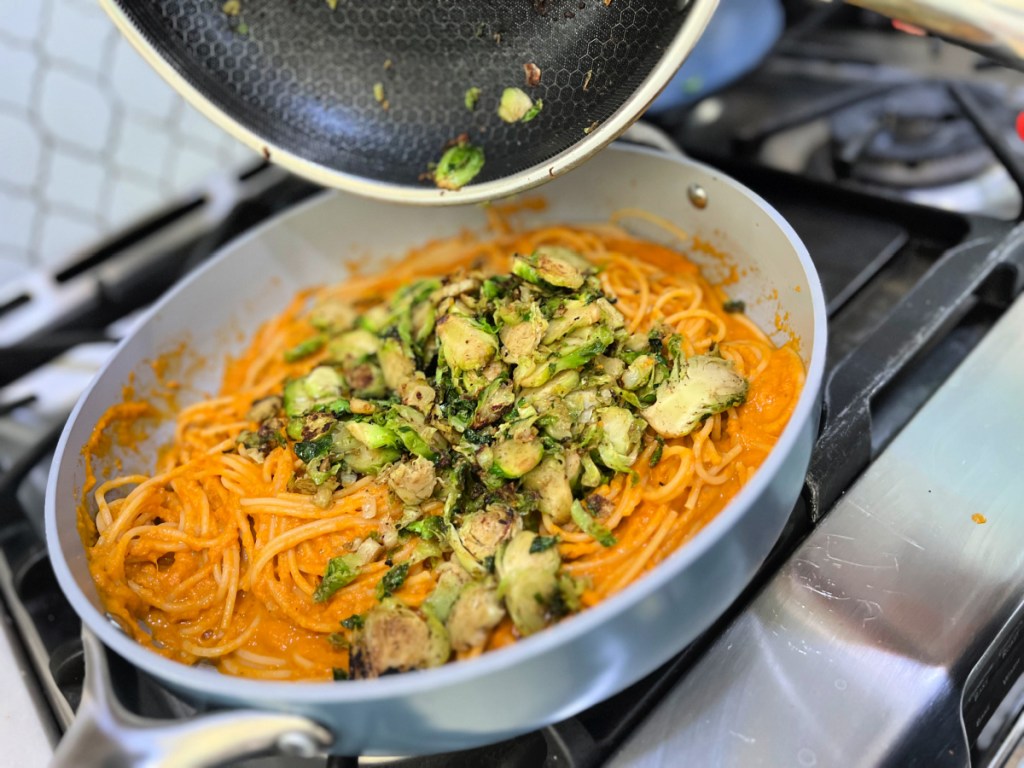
x=734 y=306
x=340 y=572
x=467 y=346
x=355 y=621
x=458 y=166
x=476 y=612
x=551 y=484
x=314 y=449
x=338 y=674
x=658 y=450
x=541 y=543
x=395 y=638
x=586 y=523
x=471 y=98
x=547 y=267
x=429 y=528
x=392 y=581
x=305 y=348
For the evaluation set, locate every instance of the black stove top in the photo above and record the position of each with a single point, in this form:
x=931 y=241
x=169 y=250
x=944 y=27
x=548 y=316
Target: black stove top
x=910 y=289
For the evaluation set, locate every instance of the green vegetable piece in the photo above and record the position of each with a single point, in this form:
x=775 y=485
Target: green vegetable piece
x=638 y=373
x=340 y=572
x=395 y=638
x=545 y=267
x=572 y=315
x=521 y=339
x=533 y=111
x=449 y=584
x=528 y=582
x=472 y=97
x=541 y=543
x=413 y=442
x=355 y=621
x=366 y=381
x=357 y=344
x=458 y=166
x=371 y=435
x=475 y=613
x=338 y=674
x=496 y=399
x=734 y=306
x=375 y=319
x=323 y=382
x=359 y=457
x=658 y=450
x=466 y=345
x=483 y=532
x=589 y=344
x=514 y=458
x=314 y=449
x=392 y=581
x=515 y=105
x=395 y=364
x=412 y=481
x=424 y=318
x=698 y=387
x=296 y=399
x=586 y=523
x=551 y=484
x=430 y=528
x=332 y=316
x=305 y=348
x=620 y=438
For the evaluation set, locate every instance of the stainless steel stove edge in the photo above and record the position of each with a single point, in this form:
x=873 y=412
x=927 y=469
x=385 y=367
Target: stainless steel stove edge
x=859 y=651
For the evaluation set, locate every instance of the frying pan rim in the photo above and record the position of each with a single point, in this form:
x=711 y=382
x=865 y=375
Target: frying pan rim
x=692 y=28
x=211 y=683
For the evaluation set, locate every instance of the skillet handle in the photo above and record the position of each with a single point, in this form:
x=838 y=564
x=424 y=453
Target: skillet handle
x=105 y=734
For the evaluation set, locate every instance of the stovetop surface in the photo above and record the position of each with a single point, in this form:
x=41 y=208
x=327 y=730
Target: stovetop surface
x=911 y=291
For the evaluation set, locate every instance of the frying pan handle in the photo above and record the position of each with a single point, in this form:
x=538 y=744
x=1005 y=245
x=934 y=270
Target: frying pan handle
x=105 y=734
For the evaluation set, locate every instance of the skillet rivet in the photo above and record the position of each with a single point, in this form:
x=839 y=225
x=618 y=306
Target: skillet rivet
x=698 y=196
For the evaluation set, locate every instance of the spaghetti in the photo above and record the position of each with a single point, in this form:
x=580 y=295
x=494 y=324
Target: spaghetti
x=220 y=556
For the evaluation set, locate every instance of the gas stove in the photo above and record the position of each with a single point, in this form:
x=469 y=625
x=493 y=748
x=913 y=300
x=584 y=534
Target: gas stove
x=885 y=627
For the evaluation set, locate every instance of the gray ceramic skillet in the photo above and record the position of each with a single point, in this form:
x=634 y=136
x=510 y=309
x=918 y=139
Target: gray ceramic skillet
x=548 y=676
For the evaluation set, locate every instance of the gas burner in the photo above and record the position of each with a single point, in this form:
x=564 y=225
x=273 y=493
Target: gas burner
x=914 y=136
x=914 y=142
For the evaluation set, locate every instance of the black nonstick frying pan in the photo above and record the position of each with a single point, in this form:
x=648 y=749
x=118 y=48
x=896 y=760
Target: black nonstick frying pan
x=367 y=96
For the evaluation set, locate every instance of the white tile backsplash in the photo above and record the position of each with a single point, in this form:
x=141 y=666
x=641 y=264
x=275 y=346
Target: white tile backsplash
x=74 y=110
x=18 y=65
x=72 y=34
x=143 y=148
x=74 y=181
x=63 y=236
x=138 y=86
x=91 y=138
x=131 y=200
x=22 y=19
x=22 y=152
x=17 y=215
